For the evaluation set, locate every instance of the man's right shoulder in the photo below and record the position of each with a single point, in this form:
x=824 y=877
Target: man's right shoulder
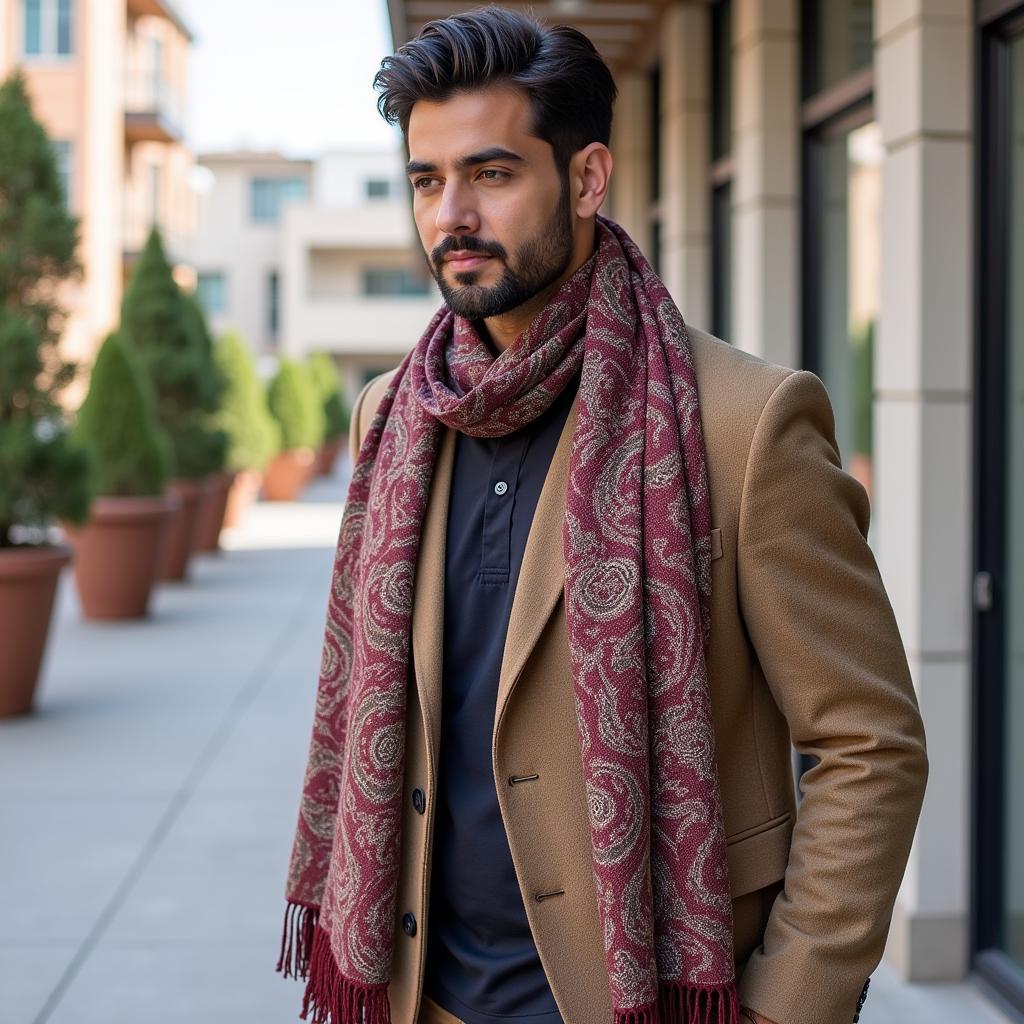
x=364 y=408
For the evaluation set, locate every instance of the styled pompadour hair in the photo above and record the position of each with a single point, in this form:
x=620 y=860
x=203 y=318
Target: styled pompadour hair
x=570 y=88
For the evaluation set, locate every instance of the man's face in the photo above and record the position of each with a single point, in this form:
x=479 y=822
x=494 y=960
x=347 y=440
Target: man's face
x=491 y=208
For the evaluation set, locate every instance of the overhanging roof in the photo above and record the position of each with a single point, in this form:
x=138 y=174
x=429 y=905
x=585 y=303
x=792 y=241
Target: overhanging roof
x=620 y=29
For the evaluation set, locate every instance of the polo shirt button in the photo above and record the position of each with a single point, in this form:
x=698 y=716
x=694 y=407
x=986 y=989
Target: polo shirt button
x=409 y=924
x=500 y=487
x=419 y=800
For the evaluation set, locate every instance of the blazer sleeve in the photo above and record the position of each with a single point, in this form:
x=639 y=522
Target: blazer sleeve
x=826 y=637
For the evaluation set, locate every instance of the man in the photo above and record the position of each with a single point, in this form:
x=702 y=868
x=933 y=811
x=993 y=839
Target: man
x=597 y=571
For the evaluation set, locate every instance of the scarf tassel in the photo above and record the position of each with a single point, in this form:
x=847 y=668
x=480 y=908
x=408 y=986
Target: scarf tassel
x=683 y=1003
x=297 y=939
x=335 y=999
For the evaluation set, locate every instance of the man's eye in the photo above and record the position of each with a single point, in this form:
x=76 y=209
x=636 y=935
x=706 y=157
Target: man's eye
x=422 y=183
x=493 y=174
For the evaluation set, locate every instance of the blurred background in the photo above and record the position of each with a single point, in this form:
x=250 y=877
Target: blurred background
x=206 y=249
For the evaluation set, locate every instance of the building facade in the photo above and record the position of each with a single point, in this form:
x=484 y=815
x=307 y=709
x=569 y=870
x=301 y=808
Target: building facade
x=107 y=79
x=838 y=185
x=303 y=256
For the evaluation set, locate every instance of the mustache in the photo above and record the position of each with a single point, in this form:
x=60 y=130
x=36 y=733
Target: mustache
x=465 y=243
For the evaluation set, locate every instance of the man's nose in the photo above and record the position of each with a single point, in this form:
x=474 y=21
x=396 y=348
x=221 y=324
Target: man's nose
x=455 y=214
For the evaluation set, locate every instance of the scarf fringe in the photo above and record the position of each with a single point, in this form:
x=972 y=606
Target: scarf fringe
x=300 y=921
x=335 y=999
x=683 y=1003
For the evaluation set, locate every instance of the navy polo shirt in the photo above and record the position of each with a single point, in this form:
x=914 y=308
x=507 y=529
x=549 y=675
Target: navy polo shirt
x=482 y=964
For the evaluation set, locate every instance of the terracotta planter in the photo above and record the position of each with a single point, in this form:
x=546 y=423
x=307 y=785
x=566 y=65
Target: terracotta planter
x=241 y=495
x=212 y=511
x=117 y=554
x=28 y=582
x=329 y=451
x=287 y=473
x=179 y=539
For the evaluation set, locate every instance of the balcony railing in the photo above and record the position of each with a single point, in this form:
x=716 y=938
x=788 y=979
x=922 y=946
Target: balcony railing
x=154 y=110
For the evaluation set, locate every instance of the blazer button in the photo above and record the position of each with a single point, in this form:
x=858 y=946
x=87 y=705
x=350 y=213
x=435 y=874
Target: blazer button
x=409 y=924
x=419 y=800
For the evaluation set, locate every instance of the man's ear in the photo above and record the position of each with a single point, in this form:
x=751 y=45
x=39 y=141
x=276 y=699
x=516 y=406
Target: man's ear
x=590 y=171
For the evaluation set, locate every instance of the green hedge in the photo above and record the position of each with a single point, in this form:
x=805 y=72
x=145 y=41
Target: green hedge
x=296 y=406
x=328 y=383
x=117 y=422
x=253 y=434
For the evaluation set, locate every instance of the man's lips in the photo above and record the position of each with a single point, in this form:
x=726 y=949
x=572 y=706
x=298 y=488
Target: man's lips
x=462 y=259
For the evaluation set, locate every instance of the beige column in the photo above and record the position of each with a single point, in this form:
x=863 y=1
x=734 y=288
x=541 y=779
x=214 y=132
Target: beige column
x=766 y=148
x=685 y=47
x=631 y=149
x=924 y=100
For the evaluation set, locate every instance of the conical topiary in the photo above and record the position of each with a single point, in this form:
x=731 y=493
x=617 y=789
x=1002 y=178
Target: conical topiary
x=43 y=474
x=117 y=423
x=253 y=434
x=157 y=322
x=328 y=383
x=296 y=406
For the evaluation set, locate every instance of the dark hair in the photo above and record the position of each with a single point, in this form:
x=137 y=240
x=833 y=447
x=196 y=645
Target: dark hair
x=569 y=86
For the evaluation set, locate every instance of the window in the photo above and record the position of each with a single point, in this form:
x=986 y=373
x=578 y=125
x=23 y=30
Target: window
x=999 y=510
x=212 y=292
x=378 y=188
x=62 y=153
x=394 y=281
x=273 y=304
x=267 y=195
x=48 y=28
x=841 y=251
x=721 y=170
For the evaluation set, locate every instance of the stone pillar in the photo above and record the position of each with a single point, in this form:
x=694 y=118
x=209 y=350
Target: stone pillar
x=766 y=149
x=631 y=149
x=685 y=49
x=923 y=381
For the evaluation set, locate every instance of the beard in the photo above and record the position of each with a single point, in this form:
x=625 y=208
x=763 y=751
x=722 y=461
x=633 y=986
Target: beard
x=538 y=262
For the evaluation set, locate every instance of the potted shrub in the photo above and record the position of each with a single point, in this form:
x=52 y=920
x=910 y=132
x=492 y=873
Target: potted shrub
x=328 y=383
x=213 y=505
x=117 y=550
x=253 y=434
x=295 y=405
x=156 y=323
x=43 y=474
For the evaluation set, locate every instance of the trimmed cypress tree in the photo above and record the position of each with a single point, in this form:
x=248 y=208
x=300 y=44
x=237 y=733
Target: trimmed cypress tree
x=117 y=423
x=328 y=383
x=295 y=404
x=157 y=322
x=253 y=434
x=43 y=474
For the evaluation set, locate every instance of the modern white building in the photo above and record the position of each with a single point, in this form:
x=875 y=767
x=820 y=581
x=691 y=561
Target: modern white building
x=303 y=256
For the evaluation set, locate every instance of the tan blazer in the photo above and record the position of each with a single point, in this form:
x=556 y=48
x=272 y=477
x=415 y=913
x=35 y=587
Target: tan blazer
x=804 y=649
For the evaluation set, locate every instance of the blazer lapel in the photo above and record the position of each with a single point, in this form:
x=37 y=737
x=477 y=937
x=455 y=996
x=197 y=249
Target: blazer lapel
x=542 y=574
x=428 y=595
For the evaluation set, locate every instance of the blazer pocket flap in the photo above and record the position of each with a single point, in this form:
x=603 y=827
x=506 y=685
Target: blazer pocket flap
x=758 y=859
x=716 y=543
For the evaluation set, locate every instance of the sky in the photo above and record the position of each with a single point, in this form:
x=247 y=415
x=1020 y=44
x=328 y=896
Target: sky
x=288 y=75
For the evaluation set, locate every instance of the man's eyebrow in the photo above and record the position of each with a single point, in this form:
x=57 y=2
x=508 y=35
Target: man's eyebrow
x=485 y=156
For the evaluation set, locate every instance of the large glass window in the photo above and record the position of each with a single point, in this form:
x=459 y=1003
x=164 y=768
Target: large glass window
x=212 y=291
x=394 y=281
x=268 y=195
x=721 y=171
x=48 y=27
x=841 y=245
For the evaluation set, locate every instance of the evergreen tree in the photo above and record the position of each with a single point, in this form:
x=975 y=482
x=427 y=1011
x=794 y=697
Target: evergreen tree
x=295 y=404
x=117 y=423
x=43 y=474
x=328 y=383
x=157 y=323
x=253 y=434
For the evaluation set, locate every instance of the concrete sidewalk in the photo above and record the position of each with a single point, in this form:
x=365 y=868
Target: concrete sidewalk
x=147 y=809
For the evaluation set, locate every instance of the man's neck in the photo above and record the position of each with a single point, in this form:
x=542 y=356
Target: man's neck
x=500 y=331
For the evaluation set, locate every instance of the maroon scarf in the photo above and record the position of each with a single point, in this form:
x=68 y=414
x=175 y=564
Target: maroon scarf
x=637 y=601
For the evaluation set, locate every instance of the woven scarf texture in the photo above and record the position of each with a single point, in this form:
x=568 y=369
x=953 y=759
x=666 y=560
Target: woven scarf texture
x=637 y=594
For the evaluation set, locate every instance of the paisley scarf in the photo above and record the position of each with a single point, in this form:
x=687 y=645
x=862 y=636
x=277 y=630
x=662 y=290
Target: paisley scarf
x=637 y=600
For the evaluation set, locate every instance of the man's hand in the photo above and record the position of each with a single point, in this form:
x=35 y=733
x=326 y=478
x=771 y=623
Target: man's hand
x=754 y=1016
